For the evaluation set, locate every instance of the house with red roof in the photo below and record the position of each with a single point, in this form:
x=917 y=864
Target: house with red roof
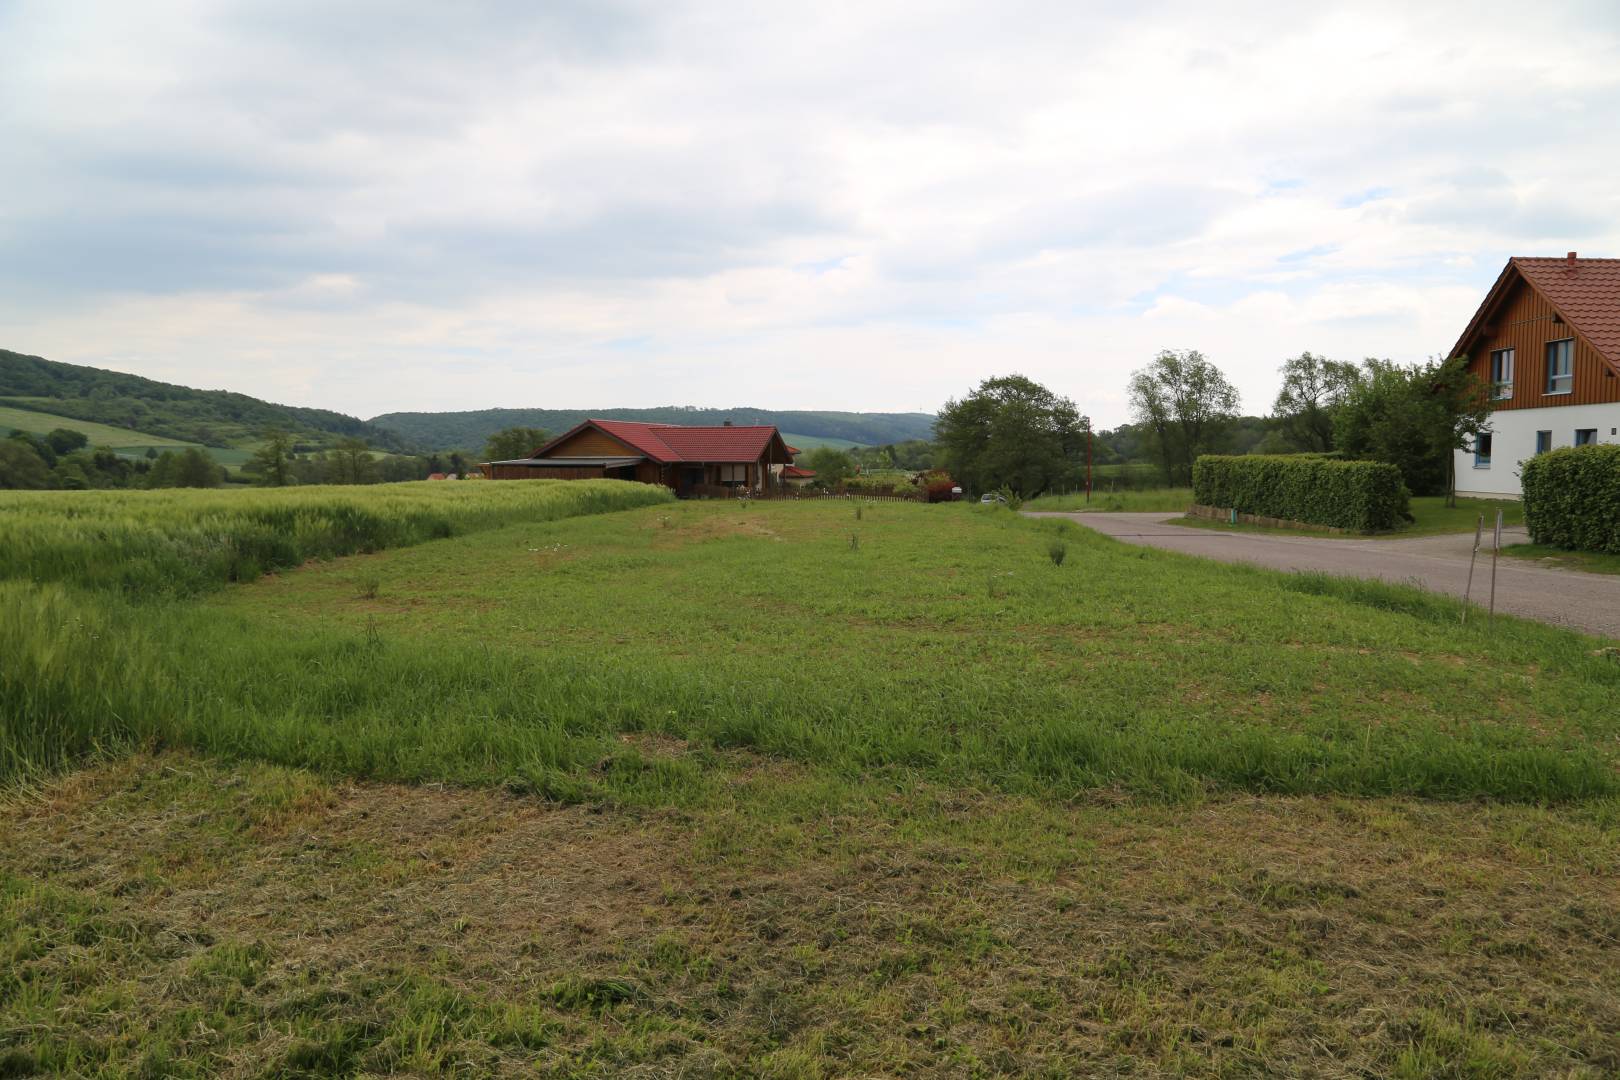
x=691 y=460
x=1547 y=341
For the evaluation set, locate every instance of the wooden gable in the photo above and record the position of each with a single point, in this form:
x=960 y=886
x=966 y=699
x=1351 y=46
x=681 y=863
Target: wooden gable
x=1520 y=317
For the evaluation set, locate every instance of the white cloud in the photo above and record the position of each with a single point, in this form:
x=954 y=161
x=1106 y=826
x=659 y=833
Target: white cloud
x=853 y=205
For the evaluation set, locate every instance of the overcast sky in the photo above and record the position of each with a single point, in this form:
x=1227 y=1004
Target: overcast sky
x=866 y=205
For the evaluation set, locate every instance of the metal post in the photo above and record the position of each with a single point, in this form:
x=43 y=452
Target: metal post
x=1088 y=459
x=1496 y=549
x=1468 y=590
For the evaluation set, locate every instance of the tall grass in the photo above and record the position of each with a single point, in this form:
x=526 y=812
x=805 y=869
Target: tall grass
x=179 y=542
x=1169 y=500
x=526 y=663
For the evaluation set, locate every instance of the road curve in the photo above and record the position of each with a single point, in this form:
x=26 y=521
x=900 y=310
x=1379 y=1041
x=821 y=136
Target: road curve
x=1580 y=601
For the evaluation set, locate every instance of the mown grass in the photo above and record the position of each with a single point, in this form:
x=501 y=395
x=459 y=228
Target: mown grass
x=1166 y=499
x=148 y=544
x=946 y=644
x=179 y=917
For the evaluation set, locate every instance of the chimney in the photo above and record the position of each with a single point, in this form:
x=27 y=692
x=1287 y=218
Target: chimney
x=727 y=423
x=1570 y=260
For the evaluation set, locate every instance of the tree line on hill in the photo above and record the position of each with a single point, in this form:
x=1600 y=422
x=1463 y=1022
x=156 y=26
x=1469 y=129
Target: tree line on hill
x=210 y=417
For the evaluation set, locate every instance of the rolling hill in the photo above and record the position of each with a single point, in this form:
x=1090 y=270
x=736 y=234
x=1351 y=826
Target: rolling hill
x=446 y=430
x=215 y=418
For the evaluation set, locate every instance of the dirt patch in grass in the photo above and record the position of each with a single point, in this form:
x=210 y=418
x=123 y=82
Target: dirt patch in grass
x=239 y=920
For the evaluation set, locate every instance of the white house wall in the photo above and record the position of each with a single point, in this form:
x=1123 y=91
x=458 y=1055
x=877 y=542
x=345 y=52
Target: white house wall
x=1513 y=440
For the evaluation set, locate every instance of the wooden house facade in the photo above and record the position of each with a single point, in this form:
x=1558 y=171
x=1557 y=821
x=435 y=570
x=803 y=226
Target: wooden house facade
x=1547 y=340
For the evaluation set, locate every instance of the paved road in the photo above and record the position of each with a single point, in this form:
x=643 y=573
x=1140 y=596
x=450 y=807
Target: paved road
x=1589 y=602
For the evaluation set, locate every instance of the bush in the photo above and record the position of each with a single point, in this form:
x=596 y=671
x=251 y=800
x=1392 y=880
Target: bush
x=1572 y=498
x=1367 y=496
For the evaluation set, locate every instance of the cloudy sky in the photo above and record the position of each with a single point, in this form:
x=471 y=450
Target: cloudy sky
x=863 y=205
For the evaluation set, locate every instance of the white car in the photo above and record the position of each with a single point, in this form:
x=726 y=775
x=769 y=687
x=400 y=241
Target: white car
x=992 y=497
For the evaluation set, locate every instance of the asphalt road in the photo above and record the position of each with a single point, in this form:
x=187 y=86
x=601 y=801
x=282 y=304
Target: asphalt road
x=1589 y=602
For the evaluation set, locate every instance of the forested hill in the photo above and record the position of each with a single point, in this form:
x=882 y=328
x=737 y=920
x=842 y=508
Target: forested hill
x=441 y=430
x=211 y=417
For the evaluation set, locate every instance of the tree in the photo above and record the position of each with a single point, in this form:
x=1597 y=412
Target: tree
x=66 y=440
x=197 y=468
x=272 y=461
x=1011 y=432
x=1184 y=402
x=21 y=466
x=831 y=466
x=514 y=442
x=350 y=462
x=1313 y=388
x=1414 y=418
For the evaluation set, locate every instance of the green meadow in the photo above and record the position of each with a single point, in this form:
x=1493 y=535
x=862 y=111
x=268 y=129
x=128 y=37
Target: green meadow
x=571 y=778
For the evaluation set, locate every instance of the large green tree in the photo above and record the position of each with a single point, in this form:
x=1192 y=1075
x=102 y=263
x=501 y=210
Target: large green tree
x=21 y=466
x=273 y=459
x=1414 y=416
x=514 y=442
x=1184 y=403
x=1313 y=388
x=1011 y=432
x=831 y=465
x=350 y=462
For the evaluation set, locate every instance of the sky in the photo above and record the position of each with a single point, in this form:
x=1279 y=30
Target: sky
x=874 y=206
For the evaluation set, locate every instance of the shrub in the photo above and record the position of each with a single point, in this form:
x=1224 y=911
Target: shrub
x=1572 y=498
x=1057 y=551
x=1367 y=496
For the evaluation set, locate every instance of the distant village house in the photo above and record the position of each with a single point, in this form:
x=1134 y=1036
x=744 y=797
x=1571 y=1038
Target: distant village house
x=691 y=460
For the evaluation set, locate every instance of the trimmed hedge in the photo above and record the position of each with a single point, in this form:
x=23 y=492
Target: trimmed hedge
x=1572 y=498
x=1366 y=496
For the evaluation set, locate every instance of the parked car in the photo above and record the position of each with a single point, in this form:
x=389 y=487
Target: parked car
x=992 y=497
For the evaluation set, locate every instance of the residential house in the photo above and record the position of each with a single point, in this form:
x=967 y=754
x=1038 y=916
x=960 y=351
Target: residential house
x=1547 y=340
x=691 y=460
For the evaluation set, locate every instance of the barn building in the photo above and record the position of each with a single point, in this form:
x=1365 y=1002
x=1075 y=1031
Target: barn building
x=1547 y=341
x=691 y=460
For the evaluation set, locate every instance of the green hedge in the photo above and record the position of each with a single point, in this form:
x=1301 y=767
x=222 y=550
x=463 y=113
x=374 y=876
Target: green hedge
x=1572 y=498
x=1366 y=496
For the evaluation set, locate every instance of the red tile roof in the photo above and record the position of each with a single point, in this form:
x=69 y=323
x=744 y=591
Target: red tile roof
x=795 y=473
x=669 y=443
x=1586 y=292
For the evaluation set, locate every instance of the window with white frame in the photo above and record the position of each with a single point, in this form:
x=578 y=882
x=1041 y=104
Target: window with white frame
x=1585 y=436
x=1561 y=366
x=1482 y=450
x=1502 y=374
x=1543 y=441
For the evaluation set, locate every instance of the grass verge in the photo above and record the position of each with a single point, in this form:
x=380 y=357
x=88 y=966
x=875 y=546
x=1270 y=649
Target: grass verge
x=1166 y=499
x=1591 y=562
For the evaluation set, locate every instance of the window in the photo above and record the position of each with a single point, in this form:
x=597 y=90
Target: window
x=1543 y=441
x=1482 y=450
x=1502 y=374
x=1561 y=366
x=1585 y=436
x=733 y=474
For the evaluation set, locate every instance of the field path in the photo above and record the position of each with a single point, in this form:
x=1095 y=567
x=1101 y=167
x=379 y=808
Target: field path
x=1588 y=602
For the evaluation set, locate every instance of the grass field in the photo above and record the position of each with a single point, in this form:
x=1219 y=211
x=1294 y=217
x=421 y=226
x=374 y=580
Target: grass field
x=117 y=438
x=780 y=790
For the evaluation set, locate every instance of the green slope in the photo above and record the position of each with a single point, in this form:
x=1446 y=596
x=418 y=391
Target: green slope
x=118 y=438
x=445 y=430
x=217 y=418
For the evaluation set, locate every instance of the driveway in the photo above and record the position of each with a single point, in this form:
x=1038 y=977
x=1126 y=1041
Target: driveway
x=1588 y=602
